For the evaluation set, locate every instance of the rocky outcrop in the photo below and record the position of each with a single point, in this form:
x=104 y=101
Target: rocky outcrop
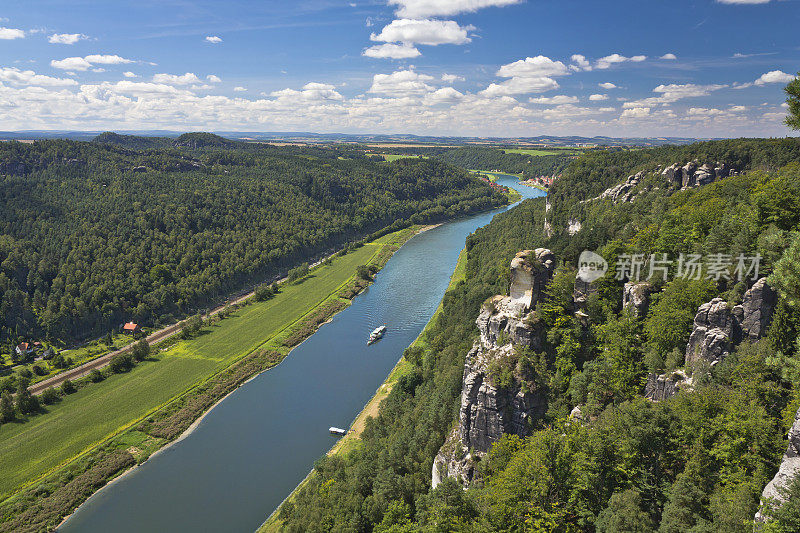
x=717 y=327
x=787 y=472
x=755 y=312
x=530 y=272
x=715 y=332
x=636 y=297
x=574 y=226
x=661 y=387
x=692 y=174
x=679 y=176
x=490 y=408
x=623 y=192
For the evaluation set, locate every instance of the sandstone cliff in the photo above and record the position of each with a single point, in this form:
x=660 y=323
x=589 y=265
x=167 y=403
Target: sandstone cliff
x=787 y=472
x=490 y=408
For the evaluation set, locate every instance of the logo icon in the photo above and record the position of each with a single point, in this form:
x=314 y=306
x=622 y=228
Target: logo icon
x=591 y=266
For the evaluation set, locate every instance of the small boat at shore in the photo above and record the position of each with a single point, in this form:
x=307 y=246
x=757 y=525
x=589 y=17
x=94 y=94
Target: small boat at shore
x=337 y=431
x=376 y=334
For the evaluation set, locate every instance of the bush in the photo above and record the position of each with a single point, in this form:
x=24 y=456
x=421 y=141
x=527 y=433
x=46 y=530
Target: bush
x=68 y=387
x=95 y=376
x=49 y=396
x=263 y=292
x=39 y=370
x=140 y=350
x=121 y=362
x=299 y=272
x=363 y=272
x=191 y=327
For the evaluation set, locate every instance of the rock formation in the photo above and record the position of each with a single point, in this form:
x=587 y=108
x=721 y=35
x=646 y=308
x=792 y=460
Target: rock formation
x=574 y=226
x=717 y=327
x=715 y=332
x=755 y=312
x=490 y=409
x=636 y=297
x=788 y=470
x=687 y=176
x=661 y=387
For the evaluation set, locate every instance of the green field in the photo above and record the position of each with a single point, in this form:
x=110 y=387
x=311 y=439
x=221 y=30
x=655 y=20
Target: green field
x=395 y=157
x=31 y=449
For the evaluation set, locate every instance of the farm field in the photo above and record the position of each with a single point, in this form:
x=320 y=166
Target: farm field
x=79 y=421
x=395 y=157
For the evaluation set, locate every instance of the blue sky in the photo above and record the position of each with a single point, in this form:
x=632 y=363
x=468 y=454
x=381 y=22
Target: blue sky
x=702 y=68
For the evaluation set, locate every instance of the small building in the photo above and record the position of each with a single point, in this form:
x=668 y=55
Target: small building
x=131 y=328
x=25 y=349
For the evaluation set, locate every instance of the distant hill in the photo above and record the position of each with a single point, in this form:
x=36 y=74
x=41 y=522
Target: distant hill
x=136 y=142
x=204 y=140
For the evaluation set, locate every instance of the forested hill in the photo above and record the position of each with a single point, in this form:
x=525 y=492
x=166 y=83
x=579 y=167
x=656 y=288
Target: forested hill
x=92 y=234
x=696 y=461
x=484 y=158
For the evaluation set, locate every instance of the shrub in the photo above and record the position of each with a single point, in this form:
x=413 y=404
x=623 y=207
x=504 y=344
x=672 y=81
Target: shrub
x=191 y=327
x=299 y=272
x=121 y=362
x=363 y=272
x=68 y=387
x=96 y=376
x=263 y=292
x=49 y=396
x=140 y=350
x=39 y=370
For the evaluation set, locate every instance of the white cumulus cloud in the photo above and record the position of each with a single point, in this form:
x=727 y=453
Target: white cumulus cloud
x=607 y=61
x=129 y=74
x=172 y=79
x=554 y=100
x=432 y=8
x=636 y=112
x=84 y=63
x=213 y=79
x=775 y=76
x=426 y=31
x=607 y=85
x=401 y=83
x=598 y=97
x=66 y=38
x=8 y=34
x=391 y=51
x=669 y=56
x=15 y=76
x=213 y=39
x=450 y=78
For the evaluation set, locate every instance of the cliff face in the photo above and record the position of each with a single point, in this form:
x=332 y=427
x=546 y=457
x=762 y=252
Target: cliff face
x=789 y=469
x=489 y=409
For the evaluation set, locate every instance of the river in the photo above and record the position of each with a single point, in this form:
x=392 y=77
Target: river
x=254 y=447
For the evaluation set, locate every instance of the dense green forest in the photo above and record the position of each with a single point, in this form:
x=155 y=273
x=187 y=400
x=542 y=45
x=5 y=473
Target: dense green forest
x=695 y=462
x=92 y=234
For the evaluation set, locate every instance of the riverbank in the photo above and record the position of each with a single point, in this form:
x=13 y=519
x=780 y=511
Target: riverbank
x=128 y=445
x=351 y=441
